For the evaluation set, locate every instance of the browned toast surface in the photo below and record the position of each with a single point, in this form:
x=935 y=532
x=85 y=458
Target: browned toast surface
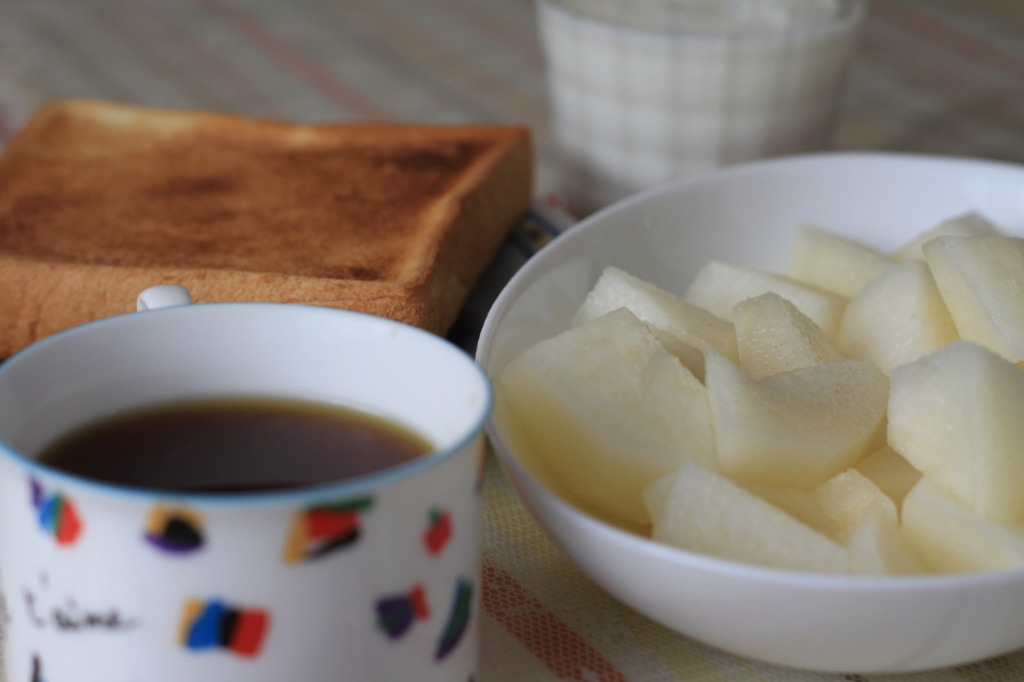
x=99 y=200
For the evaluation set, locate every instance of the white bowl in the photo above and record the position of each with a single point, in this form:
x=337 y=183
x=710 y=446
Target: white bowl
x=748 y=215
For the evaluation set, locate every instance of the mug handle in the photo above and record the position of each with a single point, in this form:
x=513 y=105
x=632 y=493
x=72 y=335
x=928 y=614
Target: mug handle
x=163 y=296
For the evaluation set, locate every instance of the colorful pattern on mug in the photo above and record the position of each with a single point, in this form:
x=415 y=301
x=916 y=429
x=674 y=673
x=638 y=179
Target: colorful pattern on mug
x=57 y=514
x=175 y=530
x=324 y=528
x=396 y=613
x=438 y=532
x=217 y=624
x=458 y=619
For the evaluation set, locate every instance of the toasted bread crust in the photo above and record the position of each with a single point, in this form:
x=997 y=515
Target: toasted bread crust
x=100 y=200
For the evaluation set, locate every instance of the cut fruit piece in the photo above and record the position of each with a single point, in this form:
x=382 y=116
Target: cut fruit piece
x=846 y=499
x=691 y=357
x=949 y=537
x=773 y=336
x=969 y=224
x=800 y=504
x=896 y=318
x=834 y=262
x=608 y=409
x=956 y=416
x=719 y=286
x=981 y=280
x=890 y=471
x=662 y=309
x=878 y=546
x=702 y=511
x=797 y=428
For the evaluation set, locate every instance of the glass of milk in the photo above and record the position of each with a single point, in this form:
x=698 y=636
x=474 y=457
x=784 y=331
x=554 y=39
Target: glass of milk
x=644 y=91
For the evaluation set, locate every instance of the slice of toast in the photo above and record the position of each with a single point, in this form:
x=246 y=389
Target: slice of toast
x=99 y=200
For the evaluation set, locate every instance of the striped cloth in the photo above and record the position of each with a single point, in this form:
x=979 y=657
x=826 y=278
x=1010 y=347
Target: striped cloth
x=936 y=76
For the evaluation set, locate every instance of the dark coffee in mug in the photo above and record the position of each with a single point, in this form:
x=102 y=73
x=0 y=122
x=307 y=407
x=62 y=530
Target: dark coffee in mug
x=234 y=445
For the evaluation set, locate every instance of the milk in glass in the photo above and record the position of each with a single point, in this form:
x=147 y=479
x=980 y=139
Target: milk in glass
x=643 y=91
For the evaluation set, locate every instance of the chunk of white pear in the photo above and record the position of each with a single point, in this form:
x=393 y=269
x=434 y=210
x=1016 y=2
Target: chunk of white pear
x=890 y=471
x=607 y=409
x=896 y=318
x=800 y=504
x=950 y=538
x=981 y=280
x=718 y=287
x=834 y=262
x=956 y=415
x=702 y=511
x=661 y=309
x=846 y=499
x=879 y=547
x=691 y=357
x=773 y=336
x=970 y=224
x=795 y=428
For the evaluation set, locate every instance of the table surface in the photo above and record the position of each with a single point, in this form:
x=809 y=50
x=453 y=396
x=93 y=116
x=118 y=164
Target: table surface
x=931 y=76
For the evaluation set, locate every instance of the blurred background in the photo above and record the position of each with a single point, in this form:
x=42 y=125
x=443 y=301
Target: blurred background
x=936 y=76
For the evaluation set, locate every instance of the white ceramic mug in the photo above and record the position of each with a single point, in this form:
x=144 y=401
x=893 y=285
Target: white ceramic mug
x=385 y=588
